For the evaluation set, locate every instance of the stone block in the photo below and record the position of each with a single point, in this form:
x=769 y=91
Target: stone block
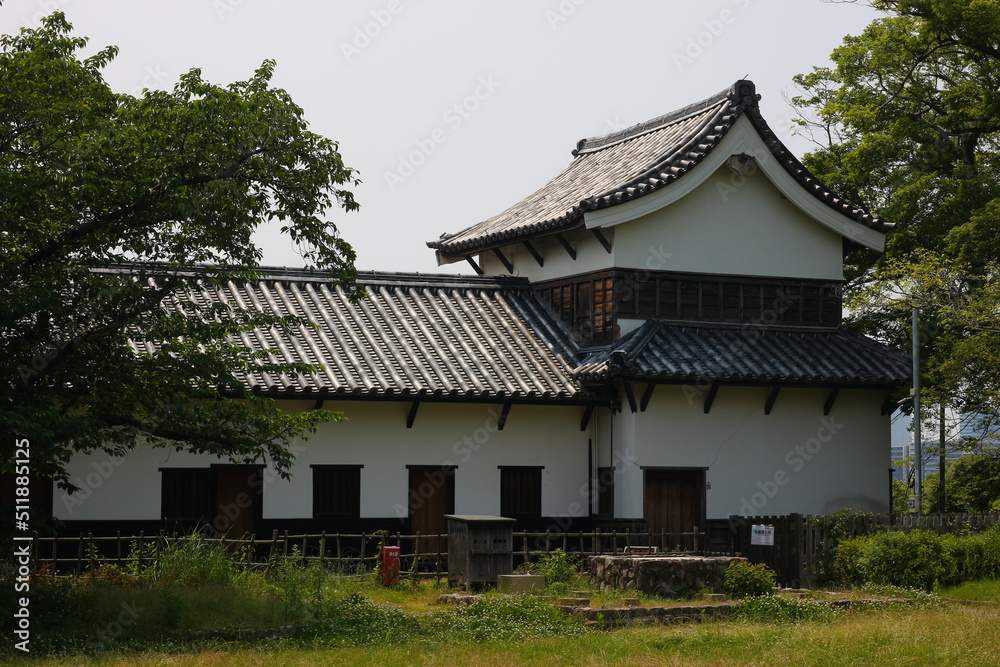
x=520 y=583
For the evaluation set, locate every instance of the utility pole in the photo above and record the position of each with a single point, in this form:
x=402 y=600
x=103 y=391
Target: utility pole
x=918 y=466
x=941 y=494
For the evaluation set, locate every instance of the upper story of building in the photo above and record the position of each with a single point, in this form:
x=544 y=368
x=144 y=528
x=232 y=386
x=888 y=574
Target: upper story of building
x=698 y=216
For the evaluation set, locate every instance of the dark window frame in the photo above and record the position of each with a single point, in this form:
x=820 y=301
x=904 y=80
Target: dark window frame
x=524 y=500
x=345 y=502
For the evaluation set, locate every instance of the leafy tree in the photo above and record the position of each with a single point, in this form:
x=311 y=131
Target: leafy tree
x=907 y=123
x=92 y=179
x=972 y=484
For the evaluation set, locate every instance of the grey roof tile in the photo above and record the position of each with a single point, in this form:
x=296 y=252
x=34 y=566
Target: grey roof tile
x=634 y=162
x=413 y=336
x=752 y=355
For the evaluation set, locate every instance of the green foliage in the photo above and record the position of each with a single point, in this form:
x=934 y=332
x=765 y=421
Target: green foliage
x=504 y=618
x=918 y=559
x=92 y=178
x=778 y=609
x=354 y=620
x=191 y=560
x=745 y=580
x=560 y=569
x=907 y=123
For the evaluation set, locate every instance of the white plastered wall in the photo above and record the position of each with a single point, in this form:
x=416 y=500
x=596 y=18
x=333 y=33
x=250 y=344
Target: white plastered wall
x=375 y=436
x=731 y=225
x=793 y=460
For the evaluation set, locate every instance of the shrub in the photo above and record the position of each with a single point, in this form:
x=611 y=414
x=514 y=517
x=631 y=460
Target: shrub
x=559 y=568
x=745 y=580
x=918 y=559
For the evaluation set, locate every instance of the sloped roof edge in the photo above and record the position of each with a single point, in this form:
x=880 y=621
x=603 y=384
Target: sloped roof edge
x=665 y=162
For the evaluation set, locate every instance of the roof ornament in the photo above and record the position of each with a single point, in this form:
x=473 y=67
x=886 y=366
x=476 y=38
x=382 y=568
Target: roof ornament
x=744 y=92
x=742 y=164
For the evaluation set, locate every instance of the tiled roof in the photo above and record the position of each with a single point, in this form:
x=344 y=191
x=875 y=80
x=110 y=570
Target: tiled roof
x=741 y=354
x=625 y=165
x=412 y=337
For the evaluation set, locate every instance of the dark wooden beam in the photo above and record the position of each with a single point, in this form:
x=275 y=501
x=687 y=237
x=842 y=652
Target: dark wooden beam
x=646 y=396
x=503 y=260
x=502 y=419
x=711 y=398
x=771 y=398
x=888 y=405
x=475 y=267
x=630 y=396
x=830 y=400
x=413 y=414
x=587 y=414
x=566 y=246
x=534 y=253
x=602 y=238
x=319 y=404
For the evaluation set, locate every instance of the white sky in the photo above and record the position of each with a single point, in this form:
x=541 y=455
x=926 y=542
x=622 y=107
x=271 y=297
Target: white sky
x=546 y=72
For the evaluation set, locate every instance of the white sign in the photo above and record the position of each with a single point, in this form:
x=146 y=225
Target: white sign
x=763 y=535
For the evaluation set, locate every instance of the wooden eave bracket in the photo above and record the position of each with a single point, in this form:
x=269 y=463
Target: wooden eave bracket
x=888 y=405
x=502 y=419
x=630 y=395
x=830 y=400
x=587 y=414
x=566 y=246
x=319 y=404
x=534 y=253
x=602 y=238
x=413 y=414
x=710 y=399
x=475 y=265
x=771 y=398
x=503 y=260
x=646 y=397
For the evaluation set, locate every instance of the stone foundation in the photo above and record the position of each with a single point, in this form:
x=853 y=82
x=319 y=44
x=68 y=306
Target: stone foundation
x=666 y=576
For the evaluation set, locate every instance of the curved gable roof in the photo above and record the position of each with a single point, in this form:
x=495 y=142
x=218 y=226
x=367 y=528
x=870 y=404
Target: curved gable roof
x=625 y=165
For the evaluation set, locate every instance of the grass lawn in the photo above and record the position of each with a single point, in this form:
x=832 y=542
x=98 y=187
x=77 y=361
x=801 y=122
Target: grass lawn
x=955 y=635
x=158 y=617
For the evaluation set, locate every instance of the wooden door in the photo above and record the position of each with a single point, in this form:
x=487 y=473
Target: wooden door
x=237 y=500
x=674 y=502
x=432 y=495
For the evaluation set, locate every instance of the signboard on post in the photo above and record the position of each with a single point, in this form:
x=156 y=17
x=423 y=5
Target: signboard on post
x=762 y=535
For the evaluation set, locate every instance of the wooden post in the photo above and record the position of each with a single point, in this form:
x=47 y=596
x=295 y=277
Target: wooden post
x=322 y=547
x=274 y=545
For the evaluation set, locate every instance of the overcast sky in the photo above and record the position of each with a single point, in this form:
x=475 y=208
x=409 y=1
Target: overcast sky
x=453 y=110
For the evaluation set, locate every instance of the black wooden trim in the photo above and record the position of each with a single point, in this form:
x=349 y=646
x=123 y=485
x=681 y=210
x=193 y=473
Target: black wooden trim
x=413 y=414
x=534 y=253
x=502 y=419
x=771 y=398
x=475 y=266
x=602 y=238
x=711 y=397
x=630 y=396
x=340 y=465
x=587 y=414
x=319 y=404
x=646 y=397
x=888 y=405
x=830 y=400
x=566 y=246
x=503 y=260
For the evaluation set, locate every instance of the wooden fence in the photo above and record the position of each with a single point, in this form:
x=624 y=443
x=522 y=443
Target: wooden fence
x=348 y=553
x=803 y=550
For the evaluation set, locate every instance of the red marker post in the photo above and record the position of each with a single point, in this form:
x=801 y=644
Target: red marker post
x=390 y=566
